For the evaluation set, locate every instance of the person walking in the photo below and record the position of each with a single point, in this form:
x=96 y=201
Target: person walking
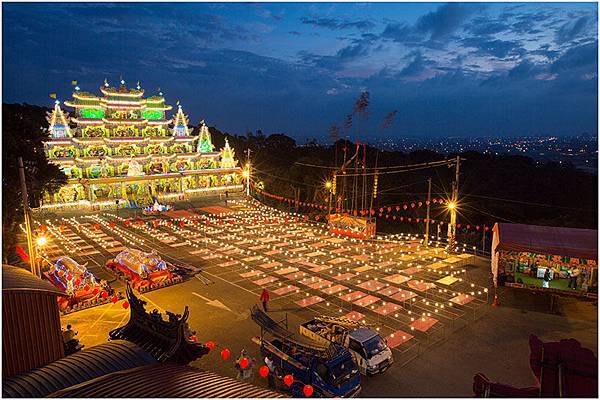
x=264 y=297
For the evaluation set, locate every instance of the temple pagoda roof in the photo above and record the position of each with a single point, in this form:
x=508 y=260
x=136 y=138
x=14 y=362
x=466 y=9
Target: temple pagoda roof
x=165 y=340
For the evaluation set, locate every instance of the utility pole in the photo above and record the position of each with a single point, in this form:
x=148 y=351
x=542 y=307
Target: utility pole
x=427 y=219
x=30 y=243
x=248 y=174
x=453 y=205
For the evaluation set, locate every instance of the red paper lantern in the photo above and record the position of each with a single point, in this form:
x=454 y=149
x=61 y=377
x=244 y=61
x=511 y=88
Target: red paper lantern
x=95 y=291
x=111 y=224
x=412 y=205
x=409 y=219
x=381 y=210
x=43 y=227
x=485 y=228
x=104 y=294
x=308 y=390
x=86 y=288
x=96 y=226
x=244 y=363
x=127 y=222
x=394 y=217
x=477 y=227
x=194 y=338
x=306 y=217
x=114 y=299
x=420 y=203
x=317 y=218
x=69 y=277
x=405 y=206
x=210 y=345
x=401 y=219
x=76 y=282
x=389 y=209
x=458 y=225
x=263 y=371
x=468 y=226
x=225 y=354
x=397 y=208
x=288 y=380
x=126 y=304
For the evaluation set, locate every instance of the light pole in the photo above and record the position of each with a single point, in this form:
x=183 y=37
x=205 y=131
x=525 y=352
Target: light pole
x=427 y=219
x=452 y=226
x=26 y=211
x=328 y=186
x=246 y=174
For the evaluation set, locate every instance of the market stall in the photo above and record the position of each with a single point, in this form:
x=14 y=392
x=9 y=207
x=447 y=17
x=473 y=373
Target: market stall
x=556 y=258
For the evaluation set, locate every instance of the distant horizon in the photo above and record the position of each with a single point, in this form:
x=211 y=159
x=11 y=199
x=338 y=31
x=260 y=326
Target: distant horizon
x=466 y=69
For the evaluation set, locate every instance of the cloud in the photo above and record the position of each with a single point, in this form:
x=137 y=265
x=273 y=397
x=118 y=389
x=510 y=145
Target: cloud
x=572 y=30
x=484 y=26
x=338 y=24
x=445 y=20
x=578 y=58
x=494 y=47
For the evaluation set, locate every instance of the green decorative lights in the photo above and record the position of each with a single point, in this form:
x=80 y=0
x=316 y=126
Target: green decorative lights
x=92 y=113
x=152 y=114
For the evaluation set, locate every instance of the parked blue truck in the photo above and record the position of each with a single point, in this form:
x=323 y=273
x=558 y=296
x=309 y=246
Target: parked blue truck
x=331 y=371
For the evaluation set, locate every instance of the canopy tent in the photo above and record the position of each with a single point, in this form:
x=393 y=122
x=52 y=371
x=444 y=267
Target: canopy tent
x=564 y=242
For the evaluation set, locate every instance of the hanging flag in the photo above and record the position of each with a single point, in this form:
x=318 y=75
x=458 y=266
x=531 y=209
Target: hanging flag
x=73 y=83
x=22 y=253
x=53 y=95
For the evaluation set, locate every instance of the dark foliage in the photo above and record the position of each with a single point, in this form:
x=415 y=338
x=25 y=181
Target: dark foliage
x=23 y=134
x=500 y=188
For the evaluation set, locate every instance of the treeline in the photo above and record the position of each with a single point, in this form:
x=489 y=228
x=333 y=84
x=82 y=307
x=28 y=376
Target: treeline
x=493 y=188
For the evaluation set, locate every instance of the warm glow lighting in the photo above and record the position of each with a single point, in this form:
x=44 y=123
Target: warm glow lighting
x=245 y=173
x=452 y=205
x=328 y=184
x=41 y=241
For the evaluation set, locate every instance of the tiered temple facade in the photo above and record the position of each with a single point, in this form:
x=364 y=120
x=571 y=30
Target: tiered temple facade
x=120 y=146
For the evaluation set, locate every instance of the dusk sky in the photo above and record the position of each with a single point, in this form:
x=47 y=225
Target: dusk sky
x=458 y=69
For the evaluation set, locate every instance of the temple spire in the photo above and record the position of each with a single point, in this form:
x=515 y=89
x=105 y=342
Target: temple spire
x=59 y=123
x=204 y=141
x=181 y=123
x=227 y=156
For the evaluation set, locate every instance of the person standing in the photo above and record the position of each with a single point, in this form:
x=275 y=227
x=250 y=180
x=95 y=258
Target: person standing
x=264 y=297
x=270 y=377
x=573 y=276
x=546 y=283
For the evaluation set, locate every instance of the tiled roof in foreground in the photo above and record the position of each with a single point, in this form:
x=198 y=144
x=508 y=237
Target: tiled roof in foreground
x=165 y=380
x=77 y=368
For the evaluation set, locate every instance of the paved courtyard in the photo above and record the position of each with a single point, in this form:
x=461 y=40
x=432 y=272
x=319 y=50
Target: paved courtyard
x=432 y=306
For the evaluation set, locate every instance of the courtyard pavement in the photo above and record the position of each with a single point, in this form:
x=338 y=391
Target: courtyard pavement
x=432 y=306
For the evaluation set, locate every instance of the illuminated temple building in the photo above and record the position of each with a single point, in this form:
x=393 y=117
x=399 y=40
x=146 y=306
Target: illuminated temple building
x=123 y=146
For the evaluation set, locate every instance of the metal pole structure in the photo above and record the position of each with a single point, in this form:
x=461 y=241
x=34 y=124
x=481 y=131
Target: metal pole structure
x=248 y=176
x=30 y=244
x=427 y=219
x=452 y=226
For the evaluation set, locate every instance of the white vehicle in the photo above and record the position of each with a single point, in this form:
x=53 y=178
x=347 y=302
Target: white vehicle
x=370 y=351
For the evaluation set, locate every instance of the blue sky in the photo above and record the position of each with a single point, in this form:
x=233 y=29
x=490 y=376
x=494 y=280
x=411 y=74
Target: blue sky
x=449 y=69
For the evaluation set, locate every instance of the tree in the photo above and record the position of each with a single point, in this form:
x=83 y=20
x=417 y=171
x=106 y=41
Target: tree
x=23 y=135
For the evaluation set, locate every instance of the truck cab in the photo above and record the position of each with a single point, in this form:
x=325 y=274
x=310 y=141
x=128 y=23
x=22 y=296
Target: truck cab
x=368 y=348
x=370 y=351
